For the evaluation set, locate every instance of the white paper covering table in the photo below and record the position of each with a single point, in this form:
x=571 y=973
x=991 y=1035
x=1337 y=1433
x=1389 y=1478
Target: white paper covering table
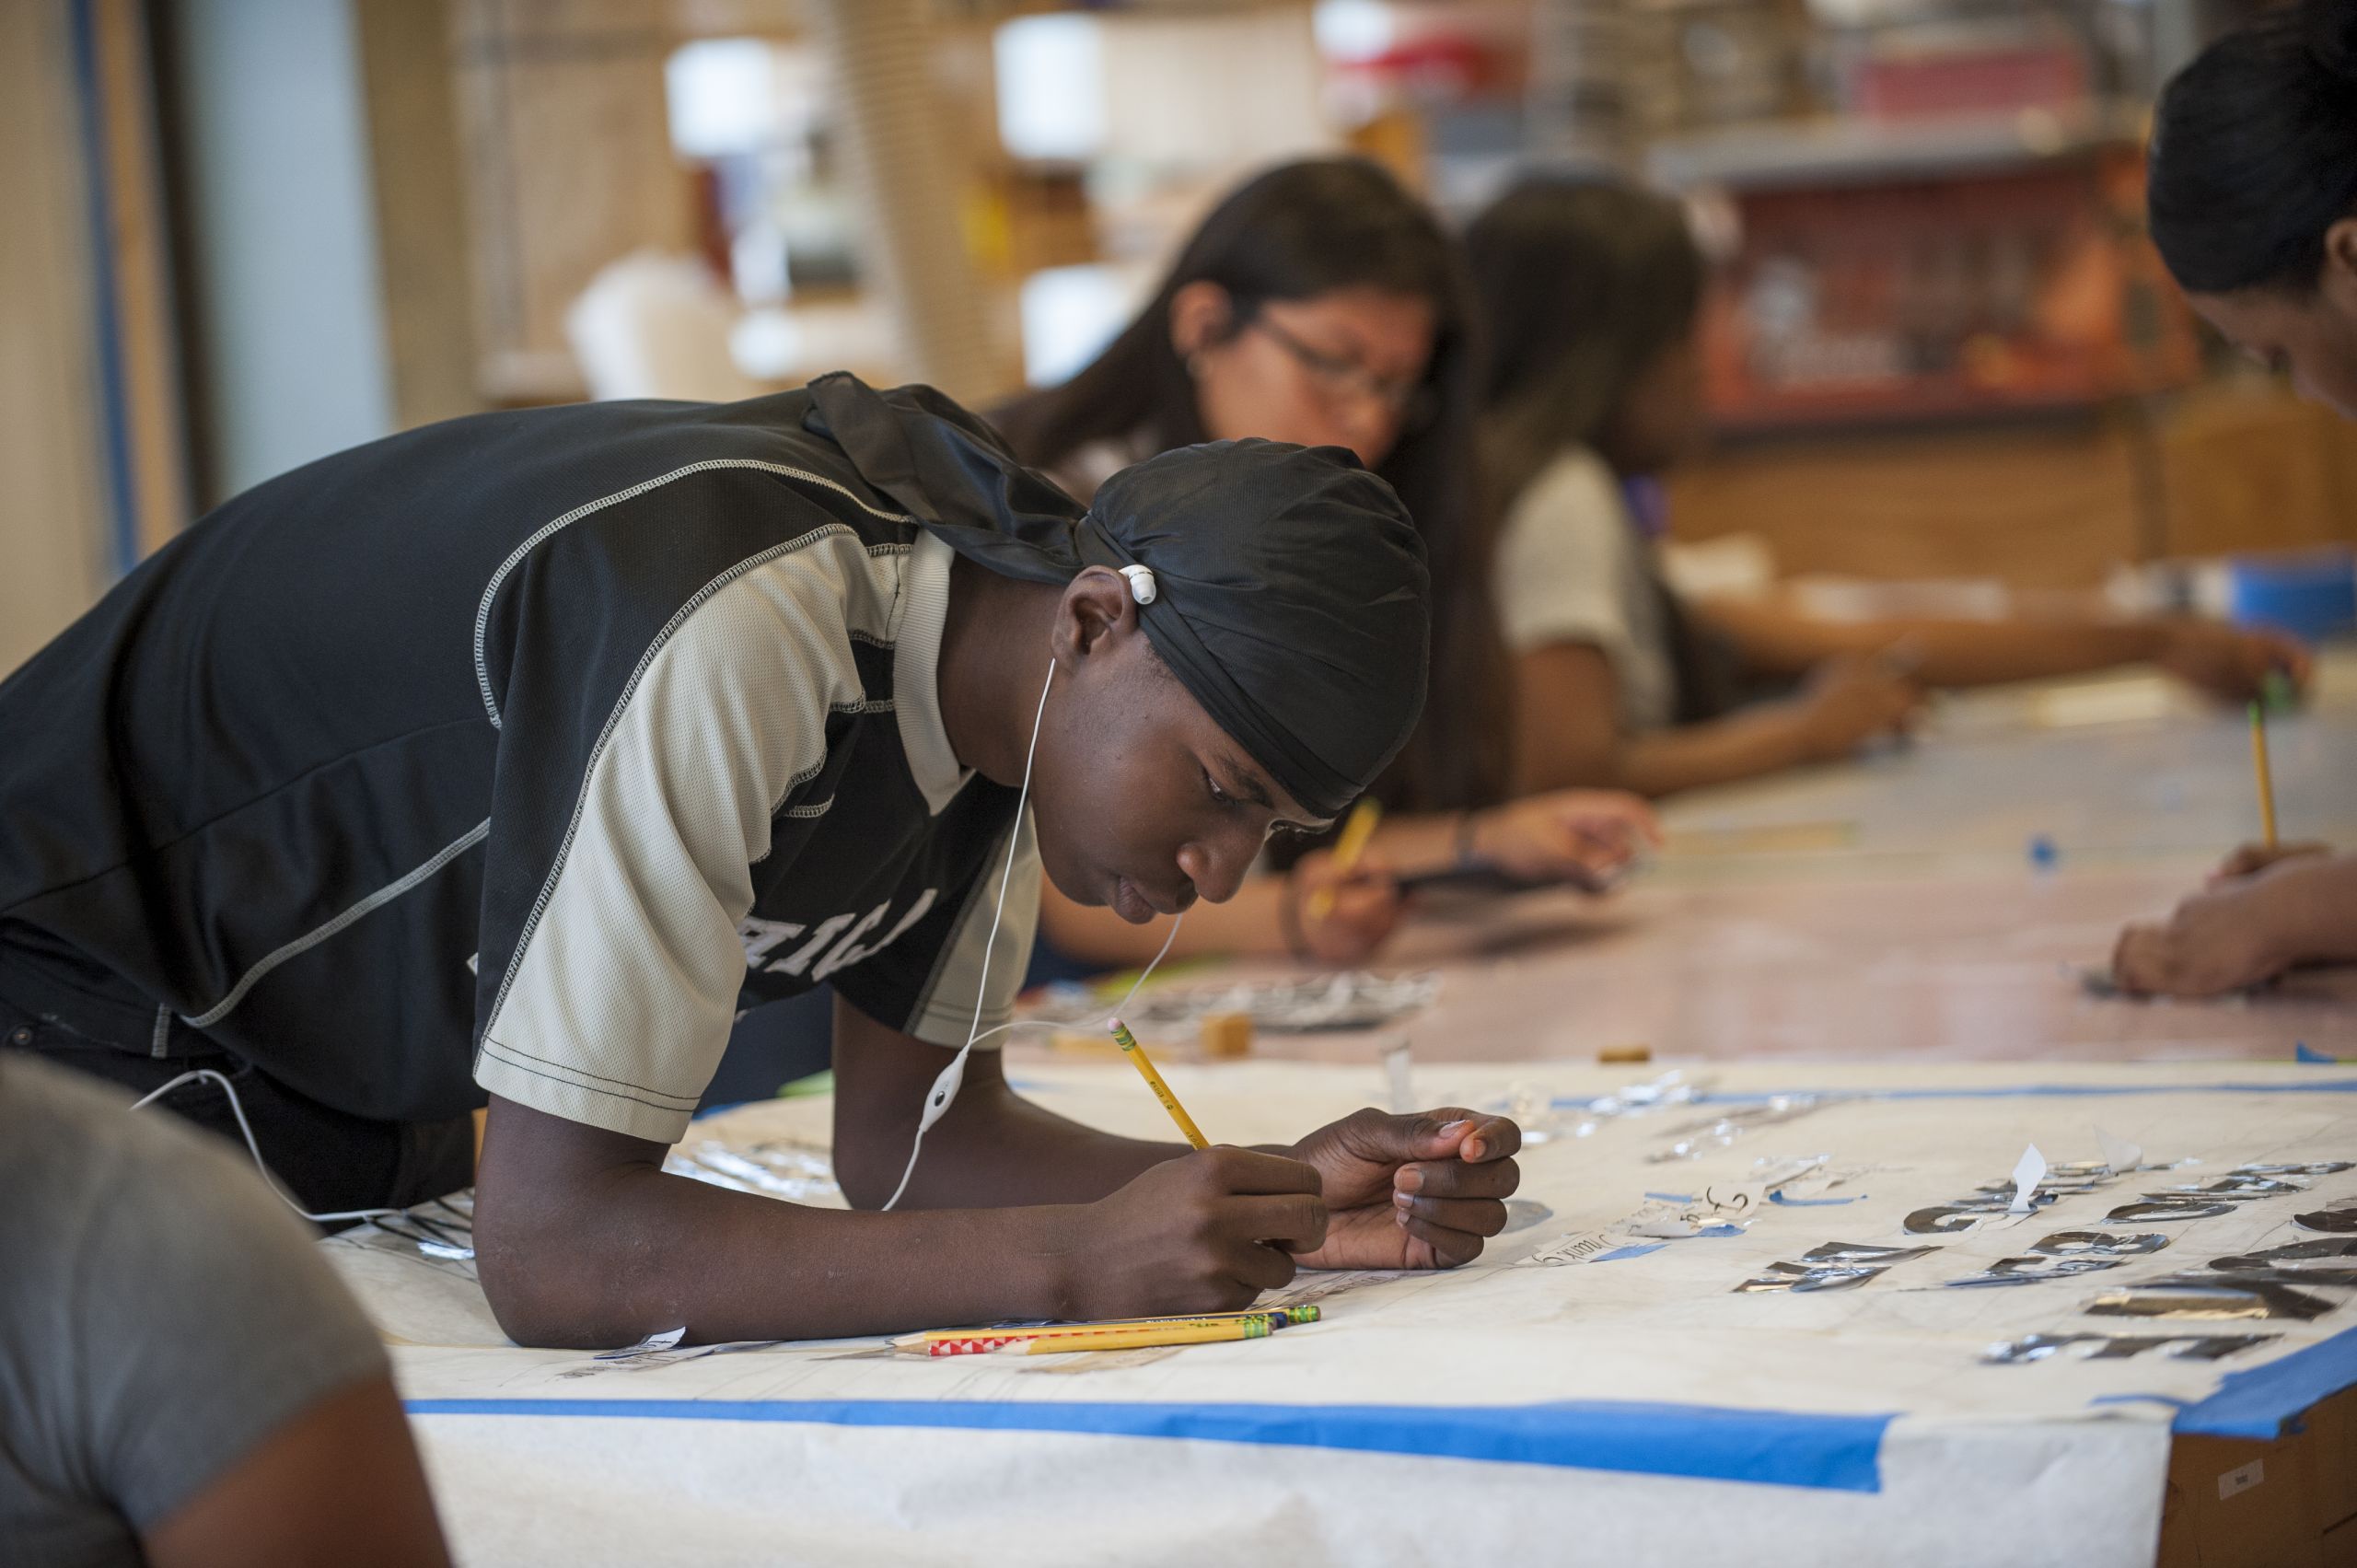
x=1632 y=1410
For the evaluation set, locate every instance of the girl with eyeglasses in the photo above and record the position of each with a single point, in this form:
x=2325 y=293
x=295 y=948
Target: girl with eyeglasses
x=1320 y=303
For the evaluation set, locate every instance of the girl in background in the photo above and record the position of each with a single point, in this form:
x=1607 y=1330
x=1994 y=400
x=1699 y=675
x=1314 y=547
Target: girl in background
x=1321 y=304
x=1589 y=294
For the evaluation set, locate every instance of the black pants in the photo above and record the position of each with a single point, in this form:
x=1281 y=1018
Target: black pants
x=329 y=1160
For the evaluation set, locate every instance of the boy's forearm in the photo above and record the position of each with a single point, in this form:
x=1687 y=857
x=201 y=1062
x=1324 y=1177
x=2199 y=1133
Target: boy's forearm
x=640 y=1252
x=582 y=1239
x=995 y=1149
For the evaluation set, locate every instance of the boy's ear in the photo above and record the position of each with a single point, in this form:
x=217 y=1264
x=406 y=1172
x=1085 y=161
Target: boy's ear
x=1096 y=604
x=2339 y=280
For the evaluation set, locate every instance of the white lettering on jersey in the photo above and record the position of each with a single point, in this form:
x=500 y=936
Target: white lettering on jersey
x=847 y=952
x=760 y=935
x=916 y=912
x=828 y=929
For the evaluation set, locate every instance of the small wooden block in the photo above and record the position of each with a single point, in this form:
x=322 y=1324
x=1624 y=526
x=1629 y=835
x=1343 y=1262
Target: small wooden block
x=1227 y=1035
x=1624 y=1055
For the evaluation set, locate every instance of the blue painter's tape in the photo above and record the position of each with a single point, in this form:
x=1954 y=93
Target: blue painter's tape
x=1672 y=1197
x=1720 y=1230
x=1837 y=1453
x=1621 y=1254
x=2142 y=1400
x=2257 y=1403
x=1814 y=1202
x=2301 y=1052
x=2066 y=1091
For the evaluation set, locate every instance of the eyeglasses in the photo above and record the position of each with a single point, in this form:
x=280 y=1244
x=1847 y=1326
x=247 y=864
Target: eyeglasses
x=1411 y=401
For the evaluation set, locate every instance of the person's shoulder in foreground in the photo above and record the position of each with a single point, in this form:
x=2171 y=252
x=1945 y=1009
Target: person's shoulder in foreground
x=182 y=1379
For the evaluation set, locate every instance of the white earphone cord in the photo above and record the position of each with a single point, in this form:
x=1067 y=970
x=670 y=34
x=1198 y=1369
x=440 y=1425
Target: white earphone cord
x=945 y=1087
x=237 y=1109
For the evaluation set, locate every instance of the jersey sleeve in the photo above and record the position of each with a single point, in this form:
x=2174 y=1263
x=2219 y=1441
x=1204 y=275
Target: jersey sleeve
x=928 y=982
x=1563 y=561
x=619 y=983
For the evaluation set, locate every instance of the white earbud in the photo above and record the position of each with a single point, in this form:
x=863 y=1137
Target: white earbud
x=1142 y=586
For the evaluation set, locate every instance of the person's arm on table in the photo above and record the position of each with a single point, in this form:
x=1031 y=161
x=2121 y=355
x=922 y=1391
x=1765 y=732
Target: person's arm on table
x=2226 y=661
x=1569 y=731
x=2298 y=909
x=1555 y=836
x=582 y=1239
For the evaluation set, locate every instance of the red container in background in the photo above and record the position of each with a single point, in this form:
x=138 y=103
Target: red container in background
x=1936 y=295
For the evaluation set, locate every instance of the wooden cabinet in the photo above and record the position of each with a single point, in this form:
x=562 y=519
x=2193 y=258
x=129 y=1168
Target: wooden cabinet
x=2226 y=466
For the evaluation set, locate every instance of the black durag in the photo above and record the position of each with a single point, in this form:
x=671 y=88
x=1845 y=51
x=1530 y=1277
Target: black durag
x=1292 y=597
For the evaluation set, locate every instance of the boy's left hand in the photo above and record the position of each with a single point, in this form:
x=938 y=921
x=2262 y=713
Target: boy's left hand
x=1417 y=1191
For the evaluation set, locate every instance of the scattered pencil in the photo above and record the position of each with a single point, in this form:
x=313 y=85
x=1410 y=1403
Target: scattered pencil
x=1126 y=1334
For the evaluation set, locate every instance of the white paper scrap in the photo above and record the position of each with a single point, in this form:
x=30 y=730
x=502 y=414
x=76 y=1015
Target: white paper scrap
x=2028 y=1171
x=1396 y=1064
x=2119 y=1156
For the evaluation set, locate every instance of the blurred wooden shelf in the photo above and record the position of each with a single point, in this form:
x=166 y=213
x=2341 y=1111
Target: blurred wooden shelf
x=2230 y=465
x=1789 y=153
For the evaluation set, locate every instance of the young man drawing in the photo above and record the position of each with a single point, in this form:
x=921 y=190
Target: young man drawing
x=511 y=756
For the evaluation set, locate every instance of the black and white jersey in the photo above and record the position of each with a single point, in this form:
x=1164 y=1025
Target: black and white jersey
x=516 y=752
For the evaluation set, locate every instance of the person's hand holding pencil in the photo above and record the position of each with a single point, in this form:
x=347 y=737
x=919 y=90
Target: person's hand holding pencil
x=1356 y=835
x=1342 y=914
x=1206 y=1232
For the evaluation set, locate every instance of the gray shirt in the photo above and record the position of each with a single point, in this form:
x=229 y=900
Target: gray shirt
x=161 y=1314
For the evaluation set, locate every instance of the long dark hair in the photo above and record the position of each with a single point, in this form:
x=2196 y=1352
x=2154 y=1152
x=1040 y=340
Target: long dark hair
x=1301 y=230
x=1582 y=285
x=2253 y=152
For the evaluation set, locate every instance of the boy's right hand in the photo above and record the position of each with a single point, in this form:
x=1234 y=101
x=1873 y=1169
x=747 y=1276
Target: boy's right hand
x=1847 y=701
x=1207 y=1232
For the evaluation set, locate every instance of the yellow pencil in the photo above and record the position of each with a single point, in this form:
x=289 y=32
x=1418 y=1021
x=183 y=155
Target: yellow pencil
x=968 y=1341
x=1347 y=850
x=2259 y=765
x=1140 y=1338
x=1136 y=1053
